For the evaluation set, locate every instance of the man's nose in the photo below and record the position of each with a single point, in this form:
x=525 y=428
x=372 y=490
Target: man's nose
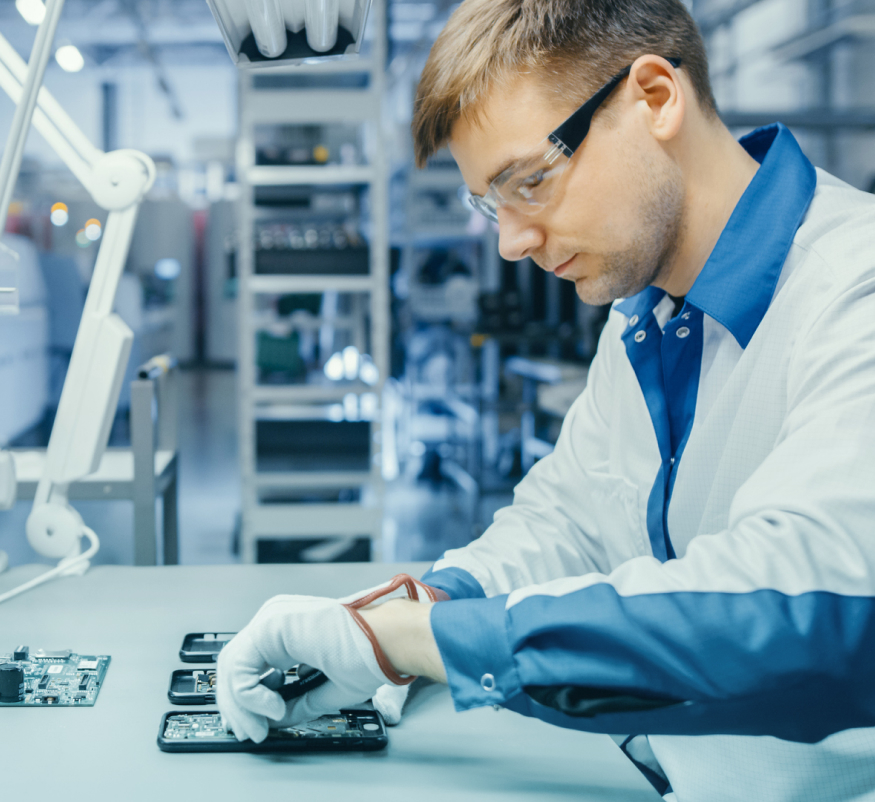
x=518 y=235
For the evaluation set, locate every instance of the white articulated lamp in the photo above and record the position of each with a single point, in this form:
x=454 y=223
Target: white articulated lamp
x=117 y=182
x=257 y=33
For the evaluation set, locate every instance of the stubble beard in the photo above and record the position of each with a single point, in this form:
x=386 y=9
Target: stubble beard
x=626 y=273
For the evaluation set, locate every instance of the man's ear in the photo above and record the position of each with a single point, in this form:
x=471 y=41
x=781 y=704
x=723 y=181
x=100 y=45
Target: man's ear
x=657 y=87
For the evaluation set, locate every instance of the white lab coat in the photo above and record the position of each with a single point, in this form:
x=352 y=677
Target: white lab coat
x=772 y=520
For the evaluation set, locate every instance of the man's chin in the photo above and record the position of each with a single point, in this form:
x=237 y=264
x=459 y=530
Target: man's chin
x=594 y=292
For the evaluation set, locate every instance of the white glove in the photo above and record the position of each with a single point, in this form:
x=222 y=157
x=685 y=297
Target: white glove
x=288 y=630
x=326 y=634
x=389 y=701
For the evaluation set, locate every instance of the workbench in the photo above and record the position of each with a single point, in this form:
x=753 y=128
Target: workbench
x=139 y=617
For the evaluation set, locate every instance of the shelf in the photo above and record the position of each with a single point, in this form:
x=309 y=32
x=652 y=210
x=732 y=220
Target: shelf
x=549 y=371
x=289 y=175
x=418 y=234
x=824 y=119
x=313 y=520
x=327 y=480
x=282 y=326
x=307 y=393
x=305 y=106
x=306 y=446
x=819 y=38
x=347 y=64
x=281 y=285
x=435 y=179
x=708 y=23
x=308 y=410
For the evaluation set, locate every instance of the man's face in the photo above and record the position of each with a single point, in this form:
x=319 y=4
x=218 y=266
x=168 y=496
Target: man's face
x=616 y=218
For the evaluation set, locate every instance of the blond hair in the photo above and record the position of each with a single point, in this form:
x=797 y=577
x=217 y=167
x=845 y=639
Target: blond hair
x=572 y=46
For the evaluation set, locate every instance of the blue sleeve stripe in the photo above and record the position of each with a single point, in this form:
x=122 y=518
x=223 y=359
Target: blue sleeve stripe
x=475 y=650
x=687 y=645
x=759 y=663
x=455 y=582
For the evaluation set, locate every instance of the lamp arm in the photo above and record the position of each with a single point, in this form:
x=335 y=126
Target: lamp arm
x=39 y=58
x=52 y=112
x=118 y=182
x=57 y=130
x=88 y=399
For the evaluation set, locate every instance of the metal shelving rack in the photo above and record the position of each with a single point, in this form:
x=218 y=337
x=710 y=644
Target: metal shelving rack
x=830 y=24
x=304 y=518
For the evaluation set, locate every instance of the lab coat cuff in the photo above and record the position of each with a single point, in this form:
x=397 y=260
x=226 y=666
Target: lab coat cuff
x=455 y=582
x=472 y=638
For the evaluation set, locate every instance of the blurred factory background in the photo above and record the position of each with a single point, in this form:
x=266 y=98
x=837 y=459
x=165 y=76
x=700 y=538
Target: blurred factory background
x=361 y=376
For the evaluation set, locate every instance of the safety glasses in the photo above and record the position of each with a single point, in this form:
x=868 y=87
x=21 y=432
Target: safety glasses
x=528 y=185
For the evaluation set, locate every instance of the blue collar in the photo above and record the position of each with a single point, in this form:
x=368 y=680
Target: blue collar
x=738 y=281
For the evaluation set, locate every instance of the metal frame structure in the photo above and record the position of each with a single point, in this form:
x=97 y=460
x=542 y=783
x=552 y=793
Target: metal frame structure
x=141 y=473
x=830 y=24
x=258 y=107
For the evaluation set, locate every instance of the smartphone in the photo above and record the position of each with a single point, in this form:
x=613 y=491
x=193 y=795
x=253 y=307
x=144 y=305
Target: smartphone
x=203 y=647
x=346 y=731
x=197 y=686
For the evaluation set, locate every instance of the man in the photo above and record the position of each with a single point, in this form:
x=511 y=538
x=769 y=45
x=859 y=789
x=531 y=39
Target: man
x=696 y=558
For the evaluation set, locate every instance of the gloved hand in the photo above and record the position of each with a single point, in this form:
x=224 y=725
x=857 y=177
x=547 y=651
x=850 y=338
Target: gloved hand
x=326 y=634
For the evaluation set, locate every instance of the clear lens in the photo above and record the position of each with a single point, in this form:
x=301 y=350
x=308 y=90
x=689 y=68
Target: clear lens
x=532 y=184
x=485 y=205
x=526 y=187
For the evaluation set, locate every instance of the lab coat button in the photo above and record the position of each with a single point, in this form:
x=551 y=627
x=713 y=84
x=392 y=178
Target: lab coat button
x=633 y=320
x=487 y=682
x=639 y=336
x=683 y=331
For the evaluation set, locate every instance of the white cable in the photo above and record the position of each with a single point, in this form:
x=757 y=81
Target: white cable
x=63 y=567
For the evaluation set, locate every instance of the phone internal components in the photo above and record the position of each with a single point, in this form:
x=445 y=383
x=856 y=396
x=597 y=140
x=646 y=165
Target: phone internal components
x=198 y=686
x=11 y=683
x=354 y=730
x=59 y=678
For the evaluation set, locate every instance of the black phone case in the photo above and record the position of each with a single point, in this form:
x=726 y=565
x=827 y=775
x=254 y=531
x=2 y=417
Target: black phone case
x=203 y=647
x=188 y=688
x=183 y=688
x=366 y=740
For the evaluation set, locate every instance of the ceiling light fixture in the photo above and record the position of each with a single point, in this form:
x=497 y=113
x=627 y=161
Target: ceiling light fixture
x=267 y=33
x=69 y=58
x=33 y=11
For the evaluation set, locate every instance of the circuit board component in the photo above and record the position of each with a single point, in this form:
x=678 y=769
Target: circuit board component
x=198 y=686
x=183 y=726
x=50 y=678
x=353 y=730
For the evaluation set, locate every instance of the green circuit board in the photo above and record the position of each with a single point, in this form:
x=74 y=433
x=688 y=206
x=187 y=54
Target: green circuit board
x=345 y=731
x=57 y=678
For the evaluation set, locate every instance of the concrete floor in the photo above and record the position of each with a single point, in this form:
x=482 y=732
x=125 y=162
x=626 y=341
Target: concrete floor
x=422 y=520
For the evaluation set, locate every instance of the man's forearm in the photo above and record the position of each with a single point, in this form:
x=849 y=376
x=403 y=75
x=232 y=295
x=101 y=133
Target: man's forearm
x=403 y=630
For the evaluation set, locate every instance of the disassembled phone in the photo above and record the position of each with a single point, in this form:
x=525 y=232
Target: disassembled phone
x=193 y=686
x=347 y=731
x=59 y=678
x=203 y=647
x=197 y=686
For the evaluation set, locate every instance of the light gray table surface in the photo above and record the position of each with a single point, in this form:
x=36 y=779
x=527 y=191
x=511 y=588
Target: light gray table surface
x=139 y=616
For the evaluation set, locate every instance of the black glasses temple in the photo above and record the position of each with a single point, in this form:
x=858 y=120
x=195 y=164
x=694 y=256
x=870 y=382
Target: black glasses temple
x=568 y=136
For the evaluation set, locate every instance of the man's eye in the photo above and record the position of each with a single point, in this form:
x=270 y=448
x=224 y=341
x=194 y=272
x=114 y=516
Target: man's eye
x=534 y=180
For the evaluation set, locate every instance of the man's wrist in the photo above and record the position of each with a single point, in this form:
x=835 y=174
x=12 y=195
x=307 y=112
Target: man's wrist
x=403 y=630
